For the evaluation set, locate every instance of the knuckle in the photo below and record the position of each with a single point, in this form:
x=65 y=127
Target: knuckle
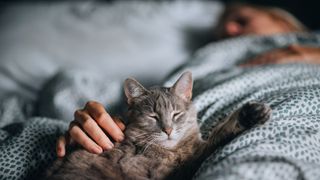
x=90 y=103
x=99 y=139
x=77 y=113
x=72 y=125
x=84 y=120
x=87 y=123
x=73 y=132
x=100 y=117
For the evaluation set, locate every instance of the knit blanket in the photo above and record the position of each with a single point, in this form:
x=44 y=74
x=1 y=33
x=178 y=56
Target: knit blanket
x=286 y=147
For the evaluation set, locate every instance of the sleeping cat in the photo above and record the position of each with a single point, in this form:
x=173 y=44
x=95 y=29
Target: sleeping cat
x=163 y=140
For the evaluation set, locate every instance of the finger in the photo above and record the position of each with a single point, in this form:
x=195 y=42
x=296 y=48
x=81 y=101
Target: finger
x=119 y=123
x=94 y=131
x=69 y=140
x=100 y=115
x=81 y=138
x=61 y=146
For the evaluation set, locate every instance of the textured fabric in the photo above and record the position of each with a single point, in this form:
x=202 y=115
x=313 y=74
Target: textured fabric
x=70 y=90
x=27 y=143
x=286 y=147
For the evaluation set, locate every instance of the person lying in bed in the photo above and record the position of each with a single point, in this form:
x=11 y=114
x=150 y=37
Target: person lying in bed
x=237 y=20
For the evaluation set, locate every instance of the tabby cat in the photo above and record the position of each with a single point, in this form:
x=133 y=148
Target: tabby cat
x=163 y=140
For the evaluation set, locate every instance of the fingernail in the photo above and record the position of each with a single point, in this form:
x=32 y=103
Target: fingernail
x=121 y=137
x=98 y=150
x=108 y=146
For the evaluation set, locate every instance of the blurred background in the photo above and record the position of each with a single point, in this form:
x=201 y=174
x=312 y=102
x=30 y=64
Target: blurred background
x=306 y=10
x=115 y=39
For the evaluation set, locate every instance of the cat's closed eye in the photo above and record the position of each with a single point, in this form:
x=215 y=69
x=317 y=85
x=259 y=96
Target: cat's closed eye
x=177 y=114
x=154 y=116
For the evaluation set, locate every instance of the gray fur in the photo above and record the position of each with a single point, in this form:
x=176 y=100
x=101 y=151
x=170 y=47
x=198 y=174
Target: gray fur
x=162 y=137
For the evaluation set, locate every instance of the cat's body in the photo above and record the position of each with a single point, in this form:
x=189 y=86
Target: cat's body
x=126 y=161
x=162 y=141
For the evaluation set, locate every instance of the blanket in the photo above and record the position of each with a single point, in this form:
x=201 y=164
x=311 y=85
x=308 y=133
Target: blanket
x=286 y=147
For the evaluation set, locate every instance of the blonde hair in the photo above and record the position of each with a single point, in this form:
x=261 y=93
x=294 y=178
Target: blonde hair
x=275 y=13
x=292 y=22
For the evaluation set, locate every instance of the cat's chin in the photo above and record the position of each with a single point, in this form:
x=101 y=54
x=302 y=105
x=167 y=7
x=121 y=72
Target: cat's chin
x=169 y=143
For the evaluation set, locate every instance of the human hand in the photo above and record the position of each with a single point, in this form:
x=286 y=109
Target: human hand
x=91 y=128
x=290 y=54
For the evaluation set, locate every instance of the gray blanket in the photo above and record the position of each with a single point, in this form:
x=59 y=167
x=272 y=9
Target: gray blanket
x=286 y=147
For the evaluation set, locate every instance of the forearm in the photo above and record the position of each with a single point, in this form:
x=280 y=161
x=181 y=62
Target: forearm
x=290 y=54
x=311 y=55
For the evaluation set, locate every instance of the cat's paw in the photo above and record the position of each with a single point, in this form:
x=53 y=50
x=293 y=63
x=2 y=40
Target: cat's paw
x=253 y=113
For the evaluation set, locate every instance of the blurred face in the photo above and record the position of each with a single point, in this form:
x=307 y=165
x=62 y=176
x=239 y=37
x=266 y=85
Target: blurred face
x=247 y=20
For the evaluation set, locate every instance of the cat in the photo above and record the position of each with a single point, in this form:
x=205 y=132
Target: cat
x=163 y=139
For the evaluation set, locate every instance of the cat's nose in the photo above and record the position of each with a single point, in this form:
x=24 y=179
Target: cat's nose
x=167 y=131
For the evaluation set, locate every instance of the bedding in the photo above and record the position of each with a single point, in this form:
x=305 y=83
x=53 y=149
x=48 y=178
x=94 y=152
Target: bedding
x=116 y=39
x=286 y=147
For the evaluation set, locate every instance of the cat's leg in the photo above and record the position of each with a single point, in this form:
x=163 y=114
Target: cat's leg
x=249 y=115
x=253 y=113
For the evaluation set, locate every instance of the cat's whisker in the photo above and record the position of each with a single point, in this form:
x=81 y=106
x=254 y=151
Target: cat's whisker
x=149 y=144
x=143 y=142
x=140 y=135
x=178 y=128
x=148 y=139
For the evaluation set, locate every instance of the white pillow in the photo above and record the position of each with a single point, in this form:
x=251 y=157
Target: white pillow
x=132 y=38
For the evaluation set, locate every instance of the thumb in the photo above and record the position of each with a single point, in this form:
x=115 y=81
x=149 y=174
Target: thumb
x=61 y=146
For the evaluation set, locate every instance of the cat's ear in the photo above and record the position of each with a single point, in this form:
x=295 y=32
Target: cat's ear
x=183 y=86
x=133 y=89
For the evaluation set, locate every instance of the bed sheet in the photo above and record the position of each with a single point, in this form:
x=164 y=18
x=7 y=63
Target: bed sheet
x=144 y=39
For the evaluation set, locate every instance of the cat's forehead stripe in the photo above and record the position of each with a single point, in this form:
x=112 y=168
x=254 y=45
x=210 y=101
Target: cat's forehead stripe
x=163 y=101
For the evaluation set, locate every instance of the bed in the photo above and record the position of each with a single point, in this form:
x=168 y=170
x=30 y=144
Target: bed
x=41 y=86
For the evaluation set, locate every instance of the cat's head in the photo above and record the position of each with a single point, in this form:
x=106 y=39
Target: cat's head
x=160 y=115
